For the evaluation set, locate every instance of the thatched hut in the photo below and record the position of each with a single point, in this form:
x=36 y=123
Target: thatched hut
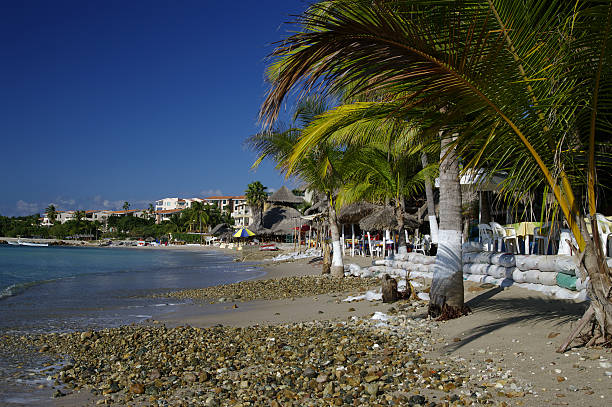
x=222 y=230
x=385 y=219
x=284 y=197
x=279 y=221
x=353 y=213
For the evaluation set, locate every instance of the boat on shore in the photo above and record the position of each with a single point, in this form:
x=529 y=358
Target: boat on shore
x=31 y=244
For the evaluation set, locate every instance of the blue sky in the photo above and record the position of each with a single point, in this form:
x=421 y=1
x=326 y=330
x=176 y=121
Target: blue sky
x=109 y=101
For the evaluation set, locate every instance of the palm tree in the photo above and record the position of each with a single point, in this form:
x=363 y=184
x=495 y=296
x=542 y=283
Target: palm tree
x=256 y=197
x=384 y=173
x=318 y=169
x=51 y=213
x=151 y=210
x=533 y=99
x=79 y=215
x=126 y=206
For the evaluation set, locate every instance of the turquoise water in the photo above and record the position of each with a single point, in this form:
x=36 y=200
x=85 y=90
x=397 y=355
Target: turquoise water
x=57 y=289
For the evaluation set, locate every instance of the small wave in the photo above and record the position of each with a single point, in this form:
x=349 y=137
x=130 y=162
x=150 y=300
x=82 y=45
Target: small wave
x=16 y=289
x=168 y=304
x=141 y=316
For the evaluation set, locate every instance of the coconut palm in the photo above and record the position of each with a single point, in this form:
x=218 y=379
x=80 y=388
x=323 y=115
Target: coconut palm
x=385 y=173
x=318 y=169
x=256 y=197
x=51 y=213
x=533 y=99
x=126 y=206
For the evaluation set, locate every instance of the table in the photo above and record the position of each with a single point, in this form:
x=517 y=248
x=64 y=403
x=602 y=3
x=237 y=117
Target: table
x=524 y=230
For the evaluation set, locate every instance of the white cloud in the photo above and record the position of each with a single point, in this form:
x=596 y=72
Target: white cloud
x=211 y=192
x=26 y=208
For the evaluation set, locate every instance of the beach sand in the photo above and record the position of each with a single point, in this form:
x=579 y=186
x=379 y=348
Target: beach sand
x=506 y=345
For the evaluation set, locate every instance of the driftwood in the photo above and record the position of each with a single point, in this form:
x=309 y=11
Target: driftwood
x=389 y=289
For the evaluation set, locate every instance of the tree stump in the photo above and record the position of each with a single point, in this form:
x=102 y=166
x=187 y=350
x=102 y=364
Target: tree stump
x=389 y=289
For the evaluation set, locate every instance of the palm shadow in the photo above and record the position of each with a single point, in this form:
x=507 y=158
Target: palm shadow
x=528 y=310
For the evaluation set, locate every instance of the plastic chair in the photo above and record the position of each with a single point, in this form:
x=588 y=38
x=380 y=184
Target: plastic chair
x=543 y=234
x=503 y=235
x=419 y=245
x=485 y=236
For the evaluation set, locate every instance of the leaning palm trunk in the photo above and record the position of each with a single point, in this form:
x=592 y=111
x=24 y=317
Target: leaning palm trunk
x=431 y=206
x=337 y=266
x=446 y=294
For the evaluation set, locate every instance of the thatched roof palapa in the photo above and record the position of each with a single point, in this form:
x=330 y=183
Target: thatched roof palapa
x=221 y=229
x=279 y=221
x=354 y=212
x=284 y=196
x=385 y=219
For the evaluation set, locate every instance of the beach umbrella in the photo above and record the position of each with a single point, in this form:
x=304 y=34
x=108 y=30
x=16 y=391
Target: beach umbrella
x=243 y=232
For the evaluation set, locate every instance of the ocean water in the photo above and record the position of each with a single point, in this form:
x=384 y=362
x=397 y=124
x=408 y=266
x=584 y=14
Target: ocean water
x=58 y=289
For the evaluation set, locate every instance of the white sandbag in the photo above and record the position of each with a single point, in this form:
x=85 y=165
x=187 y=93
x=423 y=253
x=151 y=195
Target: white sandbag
x=499 y=271
x=566 y=265
x=477 y=278
x=379 y=269
x=420 y=258
x=468 y=247
x=532 y=276
x=378 y=262
x=482 y=257
x=469 y=257
x=475 y=268
x=518 y=276
x=401 y=256
x=527 y=262
x=547 y=278
x=503 y=259
x=547 y=263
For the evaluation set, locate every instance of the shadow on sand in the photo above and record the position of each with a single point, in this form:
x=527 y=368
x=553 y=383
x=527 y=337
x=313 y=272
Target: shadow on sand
x=515 y=310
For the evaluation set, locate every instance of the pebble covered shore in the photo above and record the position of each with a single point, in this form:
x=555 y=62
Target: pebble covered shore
x=274 y=289
x=354 y=362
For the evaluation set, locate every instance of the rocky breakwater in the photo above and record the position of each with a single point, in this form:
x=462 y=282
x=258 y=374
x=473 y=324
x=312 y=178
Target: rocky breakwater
x=273 y=289
x=378 y=361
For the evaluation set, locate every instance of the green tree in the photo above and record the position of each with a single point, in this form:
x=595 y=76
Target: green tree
x=256 y=197
x=126 y=206
x=51 y=213
x=318 y=169
x=532 y=99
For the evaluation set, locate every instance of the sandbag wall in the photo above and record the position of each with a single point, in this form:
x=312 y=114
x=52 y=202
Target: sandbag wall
x=545 y=270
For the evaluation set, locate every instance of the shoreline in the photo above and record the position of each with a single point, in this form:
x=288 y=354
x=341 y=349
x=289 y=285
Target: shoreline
x=505 y=347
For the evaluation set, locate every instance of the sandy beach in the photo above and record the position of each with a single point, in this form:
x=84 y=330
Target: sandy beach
x=320 y=350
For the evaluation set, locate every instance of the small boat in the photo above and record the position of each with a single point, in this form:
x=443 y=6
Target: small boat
x=31 y=244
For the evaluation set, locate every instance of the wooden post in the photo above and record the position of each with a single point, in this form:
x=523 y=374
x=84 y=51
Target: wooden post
x=370 y=245
x=353 y=238
x=342 y=240
x=384 y=243
x=299 y=231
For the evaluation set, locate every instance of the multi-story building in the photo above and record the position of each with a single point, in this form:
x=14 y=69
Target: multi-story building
x=237 y=207
x=175 y=203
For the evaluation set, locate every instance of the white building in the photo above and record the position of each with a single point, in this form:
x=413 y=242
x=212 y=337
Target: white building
x=175 y=203
x=237 y=207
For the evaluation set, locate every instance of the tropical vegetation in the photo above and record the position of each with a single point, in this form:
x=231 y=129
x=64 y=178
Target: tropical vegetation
x=520 y=87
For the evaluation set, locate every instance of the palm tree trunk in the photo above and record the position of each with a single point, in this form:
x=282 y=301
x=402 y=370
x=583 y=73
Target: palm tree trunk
x=431 y=205
x=401 y=240
x=337 y=266
x=446 y=294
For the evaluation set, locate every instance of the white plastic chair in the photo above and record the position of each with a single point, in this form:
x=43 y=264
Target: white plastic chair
x=504 y=235
x=485 y=236
x=419 y=245
x=604 y=227
x=543 y=234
